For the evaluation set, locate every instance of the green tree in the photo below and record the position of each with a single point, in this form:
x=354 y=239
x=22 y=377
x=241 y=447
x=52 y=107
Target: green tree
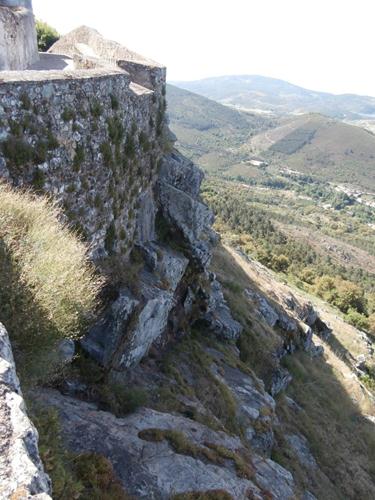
x=280 y=263
x=349 y=296
x=46 y=36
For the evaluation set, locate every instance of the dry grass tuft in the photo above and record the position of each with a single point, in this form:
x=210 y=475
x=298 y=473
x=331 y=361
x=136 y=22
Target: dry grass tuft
x=48 y=288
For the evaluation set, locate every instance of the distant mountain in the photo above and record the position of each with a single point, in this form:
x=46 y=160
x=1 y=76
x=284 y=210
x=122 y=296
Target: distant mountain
x=225 y=141
x=320 y=146
x=209 y=132
x=259 y=93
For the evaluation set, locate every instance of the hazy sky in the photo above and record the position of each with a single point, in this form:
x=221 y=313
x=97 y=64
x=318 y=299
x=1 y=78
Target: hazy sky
x=321 y=44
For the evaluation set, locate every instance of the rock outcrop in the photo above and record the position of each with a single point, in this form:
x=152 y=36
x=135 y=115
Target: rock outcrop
x=21 y=470
x=179 y=186
x=149 y=462
x=256 y=408
x=218 y=315
x=171 y=266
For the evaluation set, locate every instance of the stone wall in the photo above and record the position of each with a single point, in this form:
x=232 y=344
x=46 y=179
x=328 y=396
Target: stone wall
x=92 y=138
x=18 y=43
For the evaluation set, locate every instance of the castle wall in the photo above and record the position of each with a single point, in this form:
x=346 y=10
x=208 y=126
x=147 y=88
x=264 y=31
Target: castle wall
x=91 y=138
x=149 y=77
x=18 y=43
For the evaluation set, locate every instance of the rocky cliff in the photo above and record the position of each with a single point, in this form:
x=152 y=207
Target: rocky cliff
x=96 y=138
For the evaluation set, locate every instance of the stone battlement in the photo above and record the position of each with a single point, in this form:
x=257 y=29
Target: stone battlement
x=89 y=132
x=83 y=54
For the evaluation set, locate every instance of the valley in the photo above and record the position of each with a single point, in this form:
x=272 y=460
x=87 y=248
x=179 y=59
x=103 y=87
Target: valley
x=278 y=97
x=296 y=193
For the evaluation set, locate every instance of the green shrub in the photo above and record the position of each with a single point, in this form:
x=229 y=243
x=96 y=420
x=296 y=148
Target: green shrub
x=96 y=109
x=79 y=157
x=369 y=381
x=144 y=142
x=48 y=288
x=341 y=293
x=129 y=148
x=97 y=476
x=160 y=119
x=357 y=319
x=114 y=102
x=121 y=400
x=106 y=150
x=110 y=238
x=233 y=287
x=17 y=152
x=98 y=203
x=214 y=453
x=280 y=263
x=68 y=115
x=46 y=36
x=115 y=129
x=84 y=476
x=43 y=147
x=56 y=460
x=38 y=180
x=25 y=101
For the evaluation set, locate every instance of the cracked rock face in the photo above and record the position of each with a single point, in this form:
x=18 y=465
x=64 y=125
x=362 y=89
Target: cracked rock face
x=102 y=340
x=301 y=448
x=21 y=471
x=125 y=332
x=153 y=469
x=219 y=316
x=178 y=186
x=256 y=408
x=281 y=378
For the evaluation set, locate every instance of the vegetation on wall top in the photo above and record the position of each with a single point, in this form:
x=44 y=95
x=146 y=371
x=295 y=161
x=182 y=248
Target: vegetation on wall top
x=46 y=35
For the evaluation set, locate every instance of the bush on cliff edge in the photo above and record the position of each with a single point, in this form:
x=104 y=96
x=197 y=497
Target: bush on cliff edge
x=48 y=287
x=46 y=36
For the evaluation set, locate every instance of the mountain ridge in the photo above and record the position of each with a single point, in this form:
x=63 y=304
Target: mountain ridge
x=279 y=96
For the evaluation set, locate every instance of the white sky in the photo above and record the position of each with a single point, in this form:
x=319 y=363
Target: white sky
x=322 y=44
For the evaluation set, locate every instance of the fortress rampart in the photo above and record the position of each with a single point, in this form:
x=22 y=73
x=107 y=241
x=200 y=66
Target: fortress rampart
x=91 y=137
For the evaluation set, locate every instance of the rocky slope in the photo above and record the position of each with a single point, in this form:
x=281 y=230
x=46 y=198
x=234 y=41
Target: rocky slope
x=214 y=375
